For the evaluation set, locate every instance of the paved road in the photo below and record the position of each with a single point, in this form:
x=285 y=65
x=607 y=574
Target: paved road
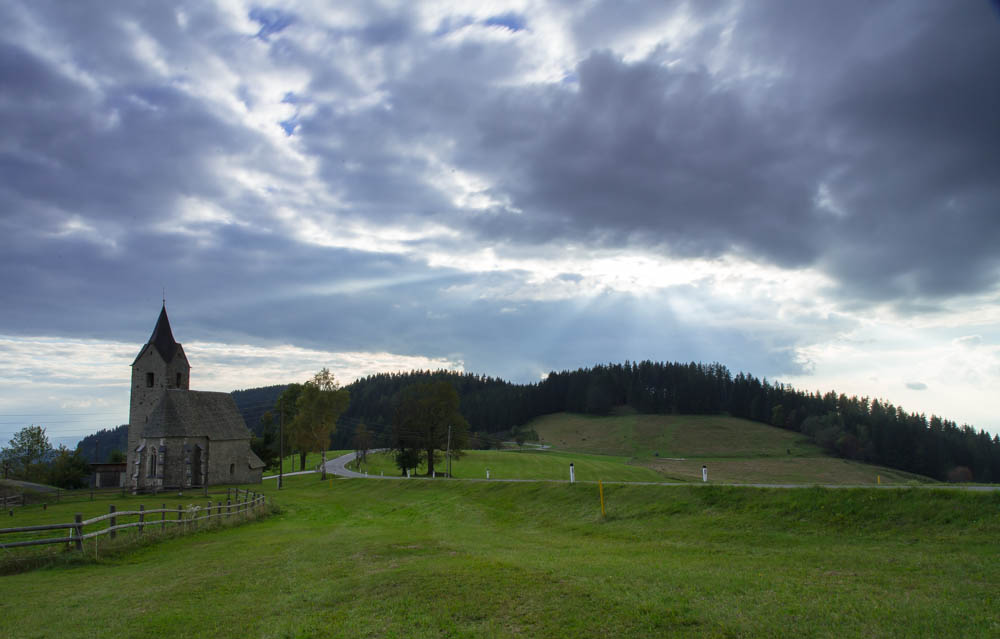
x=338 y=466
x=298 y=472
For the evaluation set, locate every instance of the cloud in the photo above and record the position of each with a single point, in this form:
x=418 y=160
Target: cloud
x=84 y=384
x=517 y=190
x=917 y=386
x=970 y=341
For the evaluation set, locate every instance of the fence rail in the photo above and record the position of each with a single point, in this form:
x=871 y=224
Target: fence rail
x=246 y=501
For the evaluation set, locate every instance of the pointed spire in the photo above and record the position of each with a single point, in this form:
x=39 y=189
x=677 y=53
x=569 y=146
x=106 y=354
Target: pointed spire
x=163 y=338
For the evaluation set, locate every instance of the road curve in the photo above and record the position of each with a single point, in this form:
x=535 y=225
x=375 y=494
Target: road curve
x=338 y=467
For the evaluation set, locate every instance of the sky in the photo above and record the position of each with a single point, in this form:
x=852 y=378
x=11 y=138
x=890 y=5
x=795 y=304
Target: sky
x=804 y=191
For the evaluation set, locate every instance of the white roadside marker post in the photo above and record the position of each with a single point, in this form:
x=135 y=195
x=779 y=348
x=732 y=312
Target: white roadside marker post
x=572 y=474
x=487 y=473
x=704 y=473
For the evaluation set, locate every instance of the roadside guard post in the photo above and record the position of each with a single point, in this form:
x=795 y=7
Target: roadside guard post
x=704 y=473
x=572 y=474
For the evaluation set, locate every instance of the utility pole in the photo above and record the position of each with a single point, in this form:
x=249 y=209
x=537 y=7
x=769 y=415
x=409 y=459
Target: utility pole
x=281 y=442
x=449 y=451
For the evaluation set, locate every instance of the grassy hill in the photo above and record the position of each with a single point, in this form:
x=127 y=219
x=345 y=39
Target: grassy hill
x=735 y=450
x=422 y=559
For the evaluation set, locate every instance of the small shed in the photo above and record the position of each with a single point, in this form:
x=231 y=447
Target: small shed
x=107 y=475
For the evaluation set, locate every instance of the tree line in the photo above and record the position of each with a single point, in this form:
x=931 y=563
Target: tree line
x=864 y=429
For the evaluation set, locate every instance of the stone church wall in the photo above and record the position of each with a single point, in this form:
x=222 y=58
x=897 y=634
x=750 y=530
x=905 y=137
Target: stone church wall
x=228 y=463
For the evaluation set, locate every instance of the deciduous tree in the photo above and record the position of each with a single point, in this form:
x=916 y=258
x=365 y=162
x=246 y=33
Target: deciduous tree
x=319 y=405
x=422 y=420
x=25 y=452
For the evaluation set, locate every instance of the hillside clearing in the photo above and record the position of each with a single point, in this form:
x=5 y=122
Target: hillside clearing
x=736 y=450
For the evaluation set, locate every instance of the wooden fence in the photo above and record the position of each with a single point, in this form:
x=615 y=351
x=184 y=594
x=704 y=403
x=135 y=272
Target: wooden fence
x=188 y=518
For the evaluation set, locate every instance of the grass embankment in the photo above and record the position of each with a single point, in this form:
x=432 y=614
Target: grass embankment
x=474 y=559
x=92 y=504
x=735 y=450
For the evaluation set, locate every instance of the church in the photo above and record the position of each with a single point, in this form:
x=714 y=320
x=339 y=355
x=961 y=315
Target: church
x=177 y=437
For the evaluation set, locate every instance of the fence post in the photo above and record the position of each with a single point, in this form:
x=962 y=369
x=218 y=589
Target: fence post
x=114 y=521
x=163 y=517
x=78 y=518
x=229 y=510
x=142 y=517
x=180 y=513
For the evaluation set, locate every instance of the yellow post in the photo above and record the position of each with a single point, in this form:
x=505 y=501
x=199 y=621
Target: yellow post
x=879 y=478
x=600 y=488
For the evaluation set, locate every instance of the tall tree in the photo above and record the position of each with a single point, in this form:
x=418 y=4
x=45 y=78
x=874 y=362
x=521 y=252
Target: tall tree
x=287 y=408
x=362 y=442
x=25 y=451
x=69 y=469
x=427 y=419
x=320 y=404
x=266 y=446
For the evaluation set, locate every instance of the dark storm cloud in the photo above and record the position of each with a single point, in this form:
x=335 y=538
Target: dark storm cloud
x=860 y=141
x=647 y=155
x=864 y=144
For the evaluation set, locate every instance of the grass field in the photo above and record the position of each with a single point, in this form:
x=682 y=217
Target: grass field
x=528 y=464
x=365 y=558
x=646 y=436
x=735 y=450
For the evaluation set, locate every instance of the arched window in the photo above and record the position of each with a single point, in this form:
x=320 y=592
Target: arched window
x=152 y=463
x=232 y=469
x=178 y=380
x=149 y=380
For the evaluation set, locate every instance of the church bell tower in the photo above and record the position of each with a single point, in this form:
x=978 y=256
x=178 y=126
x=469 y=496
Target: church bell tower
x=161 y=365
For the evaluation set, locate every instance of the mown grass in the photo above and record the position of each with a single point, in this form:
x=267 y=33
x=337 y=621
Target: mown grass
x=526 y=464
x=90 y=505
x=784 y=470
x=735 y=450
x=648 y=436
x=368 y=558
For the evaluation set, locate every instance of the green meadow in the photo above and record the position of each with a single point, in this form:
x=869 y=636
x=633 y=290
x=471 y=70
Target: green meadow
x=536 y=558
x=424 y=558
x=734 y=450
x=660 y=448
x=525 y=464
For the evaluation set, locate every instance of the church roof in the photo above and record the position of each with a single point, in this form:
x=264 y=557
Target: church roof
x=162 y=338
x=187 y=413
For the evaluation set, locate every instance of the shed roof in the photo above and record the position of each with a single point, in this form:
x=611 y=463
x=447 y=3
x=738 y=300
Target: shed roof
x=187 y=413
